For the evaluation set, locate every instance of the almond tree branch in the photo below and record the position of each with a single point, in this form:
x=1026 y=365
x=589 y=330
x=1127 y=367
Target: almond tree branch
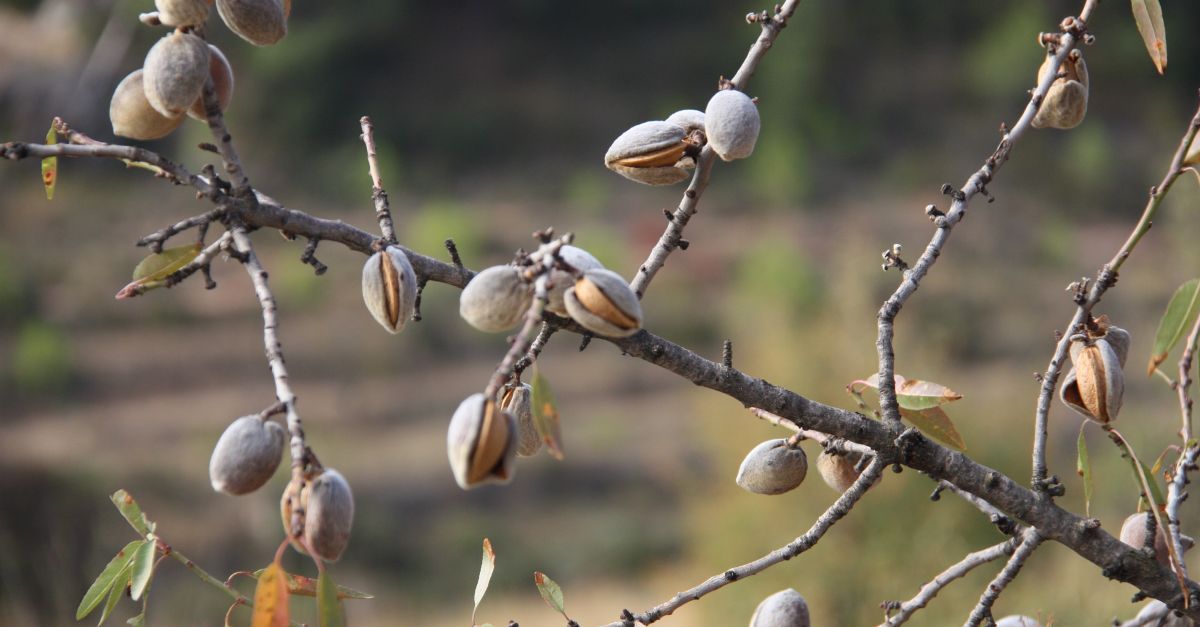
x=826 y=441
x=383 y=212
x=944 y=578
x=216 y=124
x=1105 y=278
x=1073 y=30
x=1177 y=488
x=1030 y=540
x=839 y=509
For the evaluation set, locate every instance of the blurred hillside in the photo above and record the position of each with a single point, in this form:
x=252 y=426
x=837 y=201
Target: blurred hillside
x=492 y=119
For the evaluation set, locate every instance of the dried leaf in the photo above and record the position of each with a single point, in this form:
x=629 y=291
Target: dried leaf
x=50 y=166
x=934 y=423
x=1177 y=319
x=486 y=568
x=917 y=395
x=1148 y=16
x=107 y=579
x=545 y=415
x=271 y=598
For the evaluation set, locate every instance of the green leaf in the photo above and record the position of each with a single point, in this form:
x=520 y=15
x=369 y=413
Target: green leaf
x=1179 y=316
x=917 y=395
x=138 y=621
x=114 y=593
x=329 y=606
x=550 y=591
x=1083 y=466
x=300 y=585
x=132 y=513
x=934 y=422
x=143 y=570
x=50 y=166
x=152 y=272
x=1148 y=16
x=545 y=415
x=486 y=568
x=107 y=578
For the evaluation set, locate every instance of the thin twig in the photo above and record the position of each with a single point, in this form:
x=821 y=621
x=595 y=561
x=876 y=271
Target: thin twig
x=383 y=211
x=201 y=262
x=274 y=350
x=840 y=508
x=957 y=571
x=229 y=155
x=1030 y=540
x=827 y=441
x=976 y=184
x=1177 y=488
x=1003 y=522
x=1105 y=278
x=156 y=239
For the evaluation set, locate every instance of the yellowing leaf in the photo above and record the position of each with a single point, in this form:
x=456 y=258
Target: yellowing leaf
x=545 y=415
x=152 y=271
x=302 y=586
x=934 y=423
x=551 y=593
x=1148 y=16
x=50 y=166
x=271 y=598
x=486 y=568
x=915 y=394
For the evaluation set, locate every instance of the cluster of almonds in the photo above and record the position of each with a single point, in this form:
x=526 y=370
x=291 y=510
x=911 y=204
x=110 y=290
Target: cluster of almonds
x=663 y=152
x=246 y=457
x=1095 y=384
x=1065 y=103
x=152 y=102
x=579 y=287
x=778 y=466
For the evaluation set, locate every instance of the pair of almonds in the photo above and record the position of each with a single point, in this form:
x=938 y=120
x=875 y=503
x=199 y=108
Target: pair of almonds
x=260 y=22
x=663 y=153
x=328 y=513
x=151 y=102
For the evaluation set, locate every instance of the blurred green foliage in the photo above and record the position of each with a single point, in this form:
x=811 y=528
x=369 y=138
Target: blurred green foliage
x=41 y=360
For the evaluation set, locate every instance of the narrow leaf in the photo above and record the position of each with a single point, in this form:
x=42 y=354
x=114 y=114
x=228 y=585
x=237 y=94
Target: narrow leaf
x=271 y=599
x=138 y=621
x=545 y=415
x=107 y=578
x=132 y=513
x=143 y=570
x=918 y=395
x=1179 y=316
x=329 y=606
x=486 y=567
x=934 y=422
x=161 y=265
x=50 y=166
x=1083 y=466
x=1148 y=16
x=302 y=586
x=550 y=591
x=115 y=593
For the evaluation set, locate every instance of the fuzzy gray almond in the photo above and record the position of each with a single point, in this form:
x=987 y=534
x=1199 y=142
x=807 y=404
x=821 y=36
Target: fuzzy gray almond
x=260 y=22
x=839 y=471
x=561 y=280
x=481 y=443
x=329 y=515
x=731 y=124
x=772 y=467
x=785 y=608
x=222 y=77
x=182 y=12
x=518 y=401
x=1017 y=620
x=687 y=119
x=389 y=288
x=246 y=455
x=495 y=299
x=651 y=153
x=131 y=114
x=603 y=303
x=175 y=71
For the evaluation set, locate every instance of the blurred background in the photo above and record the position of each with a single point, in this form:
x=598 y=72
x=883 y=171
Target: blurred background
x=491 y=120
